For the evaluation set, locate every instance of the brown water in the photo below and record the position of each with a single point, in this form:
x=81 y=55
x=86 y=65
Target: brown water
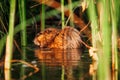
x=66 y=64
x=53 y=64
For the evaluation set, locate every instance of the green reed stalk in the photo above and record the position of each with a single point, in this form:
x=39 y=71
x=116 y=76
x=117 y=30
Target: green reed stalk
x=22 y=12
x=43 y=17
x=114 y=15
x=62 y=13
x=105 y=50
x=63 y=73
x=95 y=30
x=71 y=12
x=2 y=42
x=9 y=43
x=94 y=22
x=43 y=69
x=104 y=59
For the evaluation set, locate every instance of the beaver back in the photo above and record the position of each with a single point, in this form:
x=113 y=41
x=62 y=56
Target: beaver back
x=68 y=38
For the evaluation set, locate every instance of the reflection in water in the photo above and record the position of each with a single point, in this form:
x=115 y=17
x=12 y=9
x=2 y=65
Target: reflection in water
x=93 y=68
x=7 y=74
x=68 y=60
x=58 y=57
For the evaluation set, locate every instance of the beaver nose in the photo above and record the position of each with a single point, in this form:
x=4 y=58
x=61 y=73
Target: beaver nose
x=36 y=42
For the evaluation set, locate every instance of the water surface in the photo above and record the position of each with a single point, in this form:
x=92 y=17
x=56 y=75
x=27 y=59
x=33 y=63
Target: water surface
x=53 y=64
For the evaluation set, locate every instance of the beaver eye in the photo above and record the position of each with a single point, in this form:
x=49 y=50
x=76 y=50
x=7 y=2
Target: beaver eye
x=38 y=34
x=48 y=31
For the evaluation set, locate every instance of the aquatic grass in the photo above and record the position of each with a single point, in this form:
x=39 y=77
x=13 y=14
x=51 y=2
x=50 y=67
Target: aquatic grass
x=71 y=13
x=9 y=41
x=94 y=22
x=63 y=72
x=2 y=44
x=92 y=14
x=108 y=23
x=2 y=41
x=43 y=71
x=114 y=19
x=43 y=17
x=62 y=14
x=108 y=20
x=22 y=15
x=104 y=62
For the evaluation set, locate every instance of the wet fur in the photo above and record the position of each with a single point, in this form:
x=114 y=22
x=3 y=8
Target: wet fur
x=55 y=38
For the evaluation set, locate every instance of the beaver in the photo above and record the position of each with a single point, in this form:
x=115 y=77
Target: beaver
x=66 y=38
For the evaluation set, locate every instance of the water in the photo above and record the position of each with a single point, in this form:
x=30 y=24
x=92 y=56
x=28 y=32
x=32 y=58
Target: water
x=53 y=64
x=63 y=64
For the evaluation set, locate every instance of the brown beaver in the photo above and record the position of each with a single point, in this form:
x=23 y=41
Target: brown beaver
x=54 y=38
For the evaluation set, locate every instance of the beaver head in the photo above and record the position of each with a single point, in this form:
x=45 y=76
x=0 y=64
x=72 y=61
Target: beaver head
x=44 y=38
